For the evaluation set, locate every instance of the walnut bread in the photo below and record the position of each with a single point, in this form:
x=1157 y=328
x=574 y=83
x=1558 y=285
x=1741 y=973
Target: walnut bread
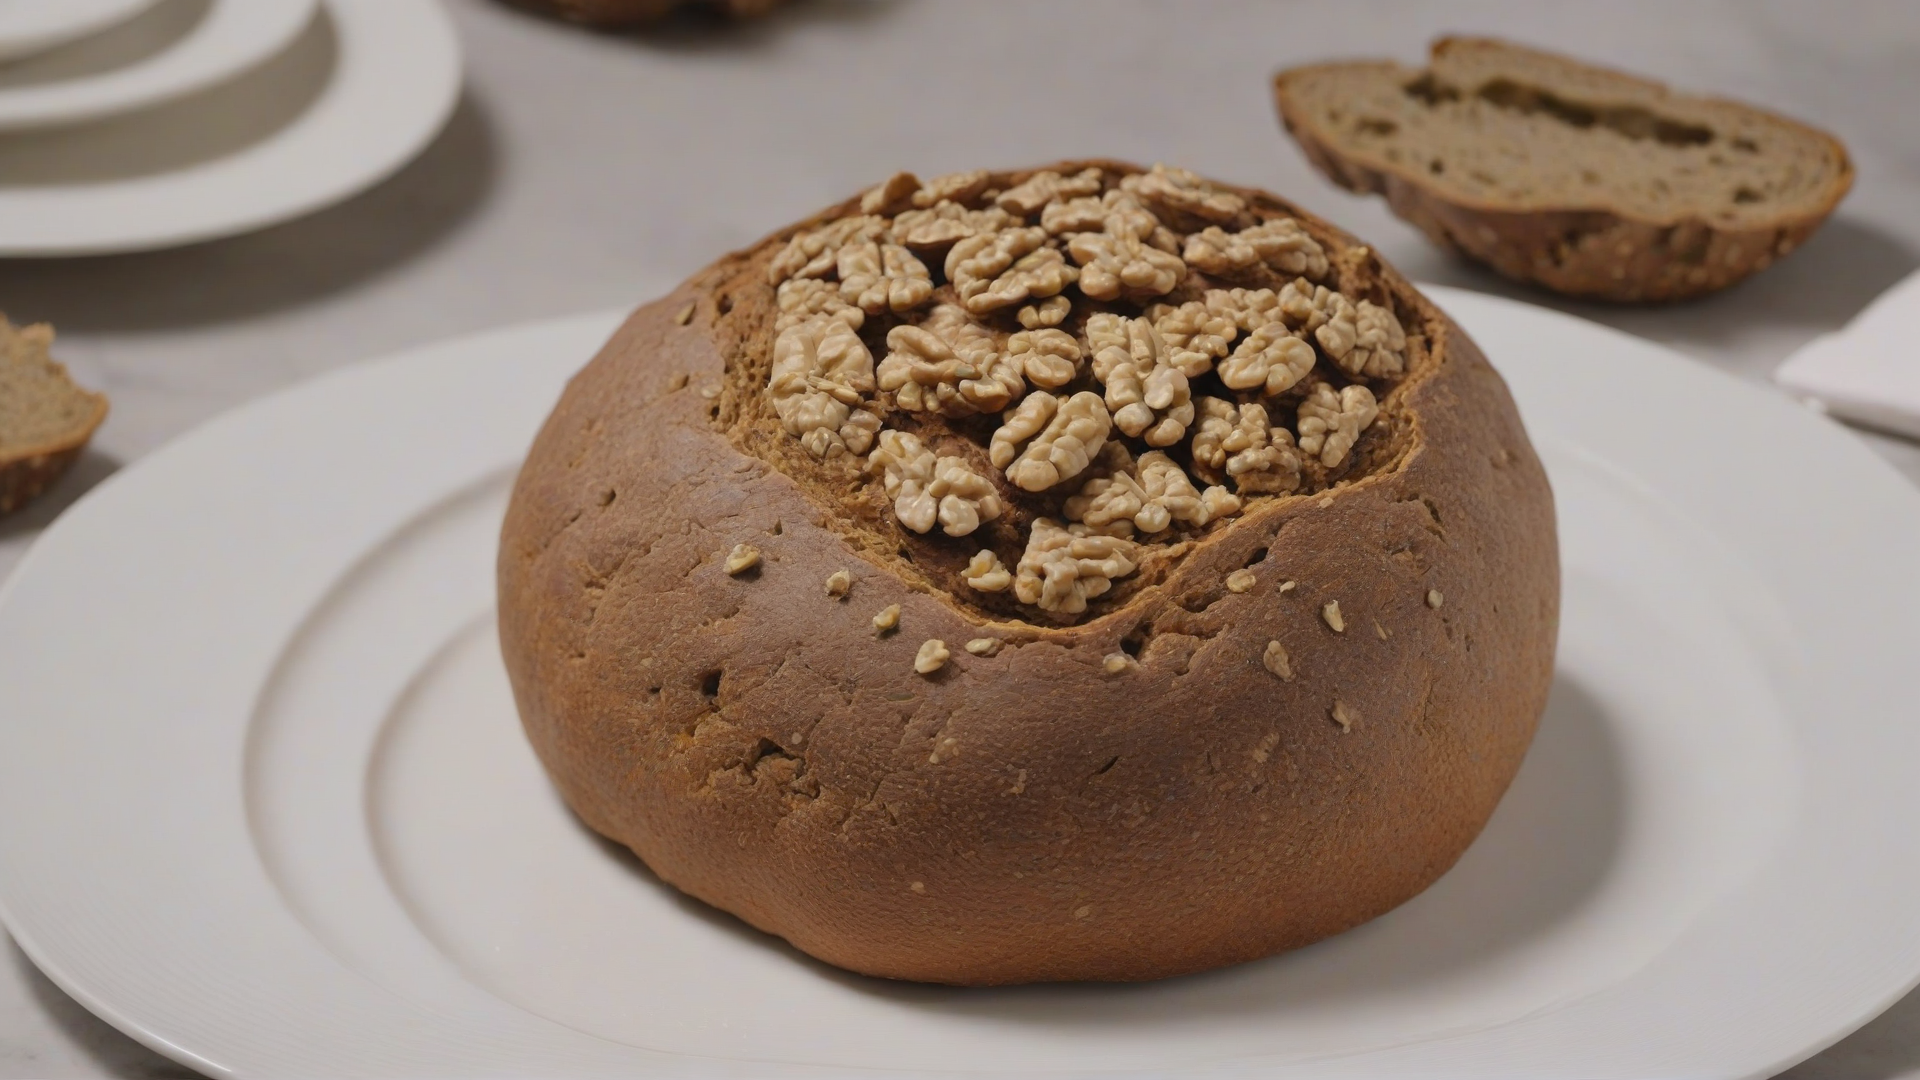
x=45 y=420
x=1085 y=572
x=1586 y=181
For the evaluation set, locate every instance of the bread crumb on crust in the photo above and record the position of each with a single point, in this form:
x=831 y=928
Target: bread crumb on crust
x=1277 y=661
x=984 y=646
x=1115 y=663
x=742 y=558
x=888 y=619
x=839 y=583
x=933 y=656
x=1330 y=611
x=1241 y=580
x=1434 y=599
x=1342 y=716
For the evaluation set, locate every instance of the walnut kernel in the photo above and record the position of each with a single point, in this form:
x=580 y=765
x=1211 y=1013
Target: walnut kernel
x=800 y=299
x=1063 y=568
x=1066 y=435
x=1049 y=312
x=893 y=193
x=1048 y=186
x=1330 y=423
x=1050 y=358
x=1235 y=442
x=1115 y=265
x=1195 y=336
x=814 y=253
x=948 y=364
x=1281 y=244
x=990 y=271
x=1271 y=360
x=880 y=277
x=1148 y=396
x=1178 y=189
x=926 y=489
x=960 y=187
x=986 y=573
x=820 y=373
x=1365 y=339
x=945 y=224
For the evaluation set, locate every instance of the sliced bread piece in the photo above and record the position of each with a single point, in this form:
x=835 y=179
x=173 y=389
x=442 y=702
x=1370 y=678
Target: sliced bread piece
x=1587 y=181
x=45 y=420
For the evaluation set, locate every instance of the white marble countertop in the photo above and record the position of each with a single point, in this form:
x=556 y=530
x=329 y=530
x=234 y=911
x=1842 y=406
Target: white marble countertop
x=585 y=171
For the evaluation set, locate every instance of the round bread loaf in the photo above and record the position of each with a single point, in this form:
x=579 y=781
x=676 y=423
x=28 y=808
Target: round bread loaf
x=1178 y=587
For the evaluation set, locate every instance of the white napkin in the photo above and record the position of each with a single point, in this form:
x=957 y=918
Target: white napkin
x=1868 y=372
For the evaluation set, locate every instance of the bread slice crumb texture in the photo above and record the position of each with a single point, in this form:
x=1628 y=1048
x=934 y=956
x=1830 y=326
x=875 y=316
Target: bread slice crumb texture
x=1505 y=126
x=41 y=410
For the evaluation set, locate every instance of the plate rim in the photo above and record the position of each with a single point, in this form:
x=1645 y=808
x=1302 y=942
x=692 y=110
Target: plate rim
x=106 y=14
x=42 y=954
x=120 y=91
x=409 y=44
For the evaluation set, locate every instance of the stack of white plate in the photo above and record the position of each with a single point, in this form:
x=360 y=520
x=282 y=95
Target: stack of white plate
x=127 y=125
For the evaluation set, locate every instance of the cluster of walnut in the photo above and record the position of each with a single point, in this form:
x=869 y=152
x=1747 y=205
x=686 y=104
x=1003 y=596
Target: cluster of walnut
x=1072 y=310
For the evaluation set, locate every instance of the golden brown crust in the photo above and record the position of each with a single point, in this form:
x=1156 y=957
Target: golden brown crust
x=27 y=477
x=1024 y=816
x=1591 y=251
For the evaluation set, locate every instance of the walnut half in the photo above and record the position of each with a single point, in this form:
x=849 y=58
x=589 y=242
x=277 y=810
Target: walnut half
x=1150 y=498
x=1066 y=435
x=926 y=489
x=1331 y=422
x=1063 y=568
x=1148 y=396
x=1235 y=442
x=949 y=364
x=990 y=271
x=820 y=373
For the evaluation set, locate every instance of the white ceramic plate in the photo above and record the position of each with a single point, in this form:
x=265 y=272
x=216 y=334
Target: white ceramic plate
x=31 y=26
x=361 y=90
x=264 y=802
x=189 y=45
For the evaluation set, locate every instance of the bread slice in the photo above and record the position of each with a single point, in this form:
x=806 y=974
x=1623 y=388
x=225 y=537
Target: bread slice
x=1587 y=181
x=45 y=420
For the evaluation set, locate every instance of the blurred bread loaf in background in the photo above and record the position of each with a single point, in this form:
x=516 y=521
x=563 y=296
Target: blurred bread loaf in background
x=1587 y=181
x=614 y=13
